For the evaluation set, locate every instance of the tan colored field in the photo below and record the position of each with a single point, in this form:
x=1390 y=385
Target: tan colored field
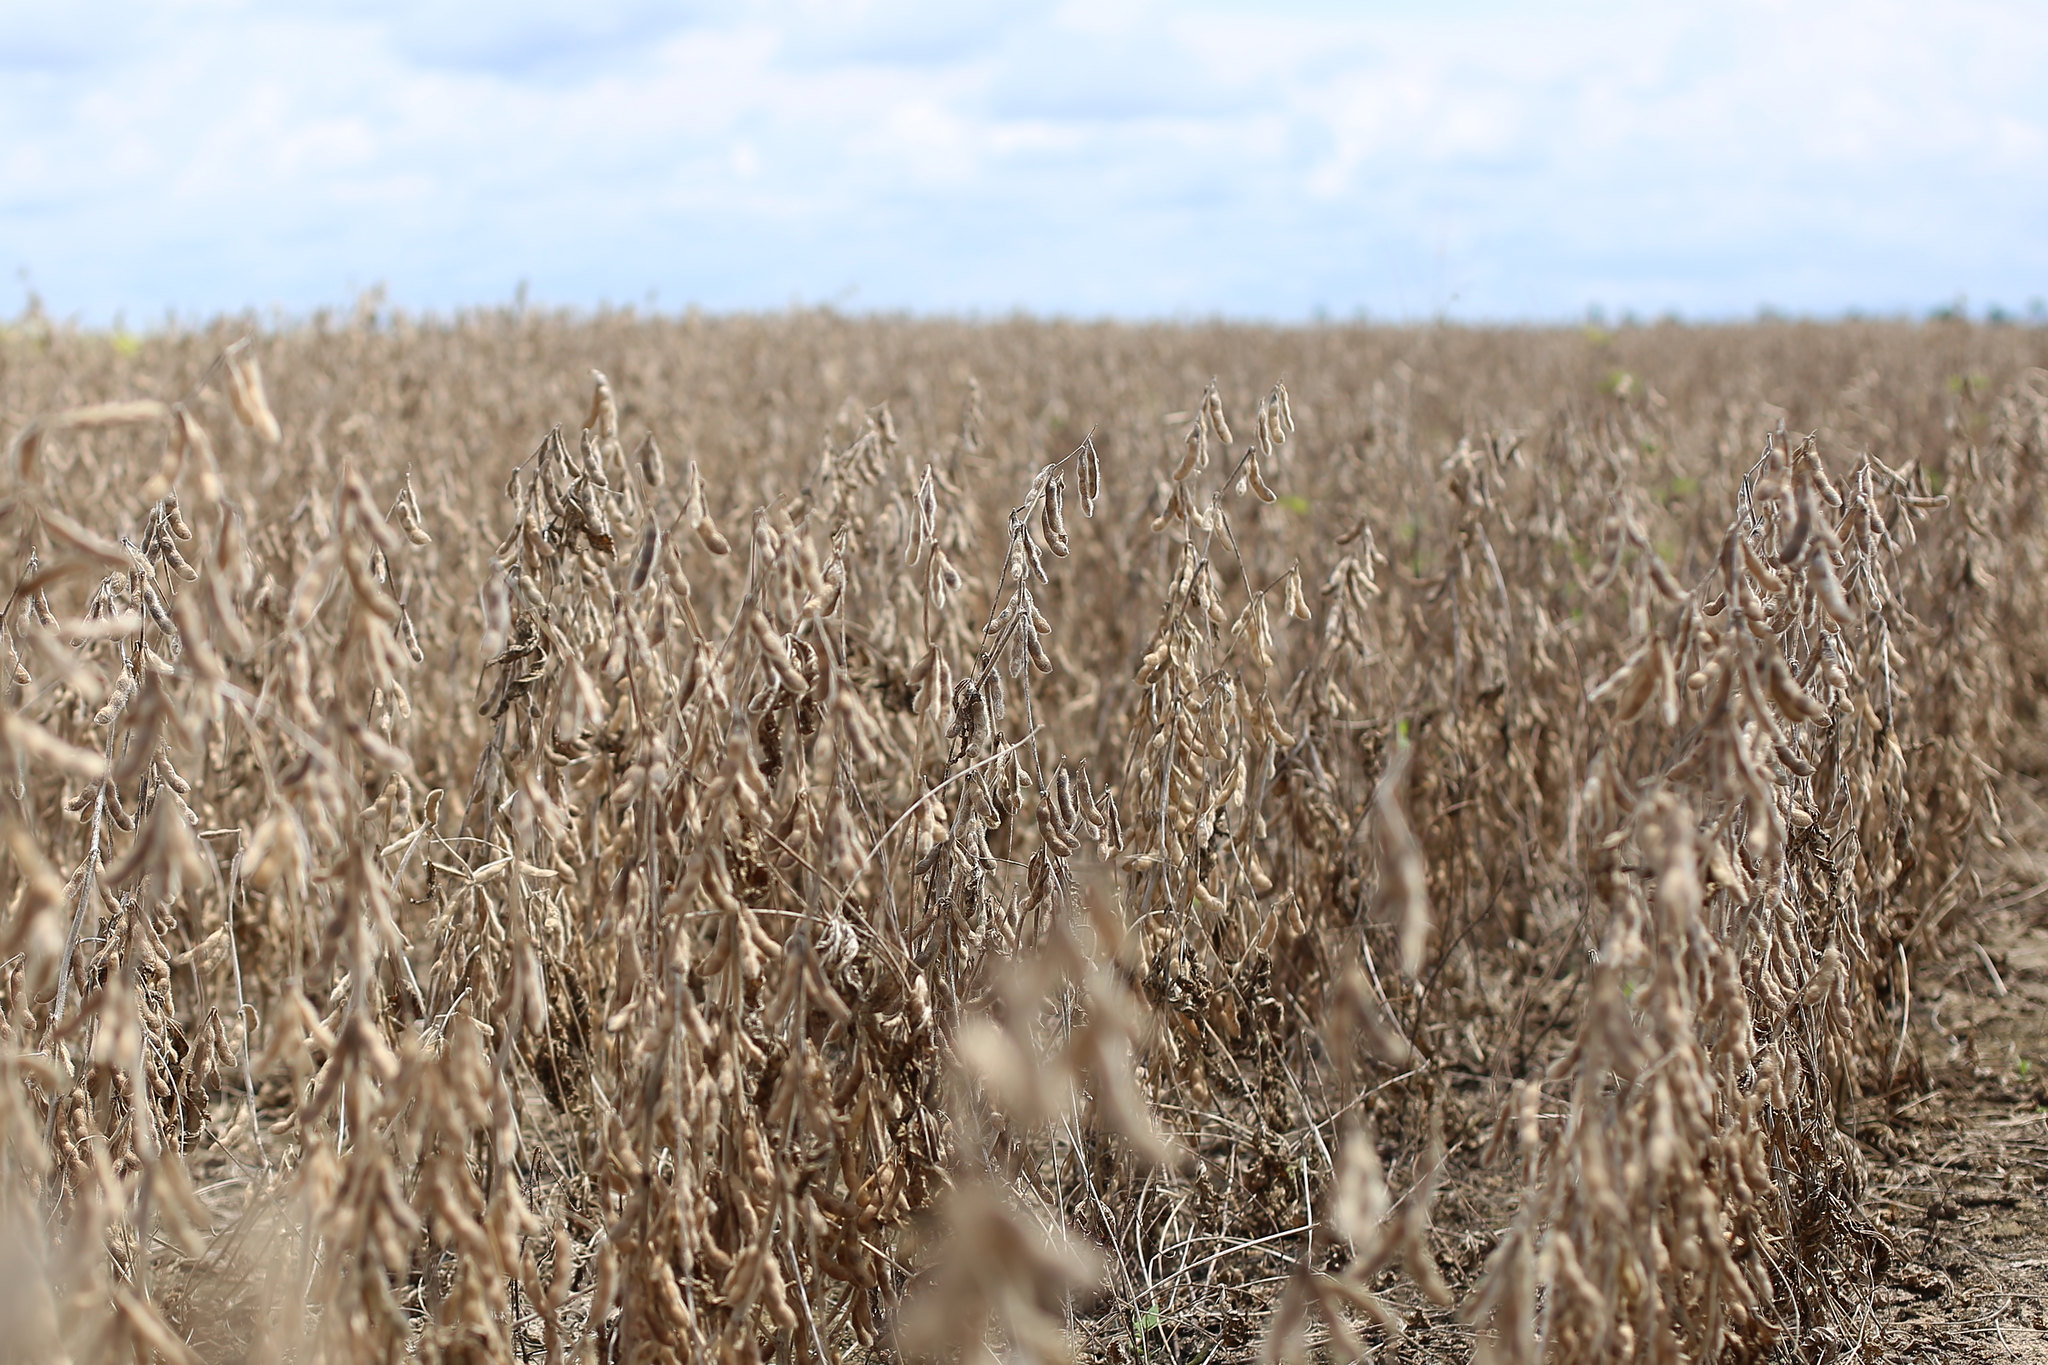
x=856 y=839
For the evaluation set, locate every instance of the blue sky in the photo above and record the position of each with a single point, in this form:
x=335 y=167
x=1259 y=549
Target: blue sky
x=1278 y=160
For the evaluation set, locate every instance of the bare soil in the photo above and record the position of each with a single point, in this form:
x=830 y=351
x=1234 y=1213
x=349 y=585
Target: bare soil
x=1959 y=1169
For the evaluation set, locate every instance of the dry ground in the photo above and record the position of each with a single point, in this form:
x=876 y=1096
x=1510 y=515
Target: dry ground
x=1959 y=1176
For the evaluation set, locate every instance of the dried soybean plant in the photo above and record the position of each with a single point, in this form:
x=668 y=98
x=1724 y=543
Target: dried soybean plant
x=772 y=898
x=123 y=648
x=1700 y=1193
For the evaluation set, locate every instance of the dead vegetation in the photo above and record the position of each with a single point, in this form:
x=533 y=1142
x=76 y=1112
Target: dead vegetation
x=850 y=839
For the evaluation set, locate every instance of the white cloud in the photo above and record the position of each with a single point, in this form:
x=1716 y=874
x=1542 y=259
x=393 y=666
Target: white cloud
x=1137 y=157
